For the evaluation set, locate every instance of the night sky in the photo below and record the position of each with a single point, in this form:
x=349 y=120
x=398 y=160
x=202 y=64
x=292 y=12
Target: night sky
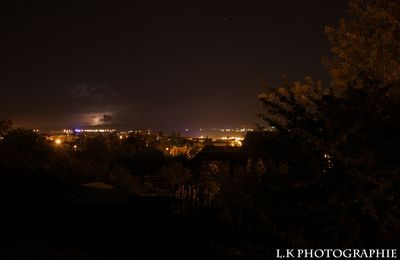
x=167 y=65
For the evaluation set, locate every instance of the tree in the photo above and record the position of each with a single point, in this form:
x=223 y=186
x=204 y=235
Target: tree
x=341 y=162
x=288 y=105
x=366 y=44
x=365 y=71
x=5 y=126
x=24 y=150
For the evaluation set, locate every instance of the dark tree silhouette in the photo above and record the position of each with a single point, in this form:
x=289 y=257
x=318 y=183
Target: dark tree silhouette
x=341 y=166
x=25 y=150
x=5 y=126
x=367 y=41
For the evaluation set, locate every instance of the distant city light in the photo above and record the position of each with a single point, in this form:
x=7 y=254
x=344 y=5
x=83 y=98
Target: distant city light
x=232 y=138
x=57 y=141
x=237 y=130
x=69 y=131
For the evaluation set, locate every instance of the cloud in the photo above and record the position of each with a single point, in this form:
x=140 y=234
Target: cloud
x=94 y=118
x=95 y=105
x=107 y=118
x=96 y=92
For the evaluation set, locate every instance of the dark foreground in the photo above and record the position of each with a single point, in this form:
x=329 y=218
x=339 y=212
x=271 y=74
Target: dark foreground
x=43 y=221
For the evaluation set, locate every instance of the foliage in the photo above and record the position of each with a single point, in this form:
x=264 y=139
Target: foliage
x=173 y=175
x=140 y=158
x=336 y=167
x=24 y=150
x=366 y=43
x=339 y=174
x=121 y=178
x=5 y=126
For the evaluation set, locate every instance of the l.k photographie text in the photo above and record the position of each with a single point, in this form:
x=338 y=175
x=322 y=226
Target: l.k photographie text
x=336 y=253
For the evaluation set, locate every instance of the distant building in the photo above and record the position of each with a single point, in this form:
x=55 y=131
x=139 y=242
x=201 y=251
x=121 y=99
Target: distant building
x=214 y=156
x=257 y=149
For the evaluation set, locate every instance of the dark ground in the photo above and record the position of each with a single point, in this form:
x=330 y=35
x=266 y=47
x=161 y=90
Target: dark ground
x=40 y=222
